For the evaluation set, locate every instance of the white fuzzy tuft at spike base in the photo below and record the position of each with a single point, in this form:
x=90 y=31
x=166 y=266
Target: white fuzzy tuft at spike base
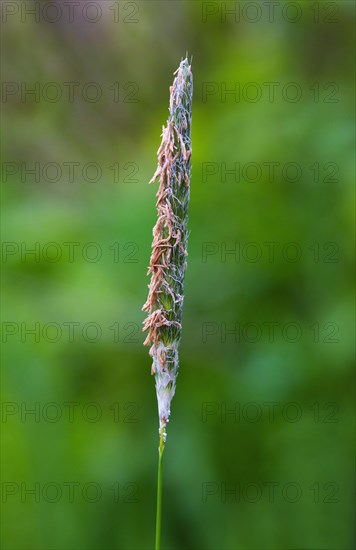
x=165 y=382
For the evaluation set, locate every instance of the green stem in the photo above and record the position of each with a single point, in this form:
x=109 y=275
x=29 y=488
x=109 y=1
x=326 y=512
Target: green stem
x=159 y=491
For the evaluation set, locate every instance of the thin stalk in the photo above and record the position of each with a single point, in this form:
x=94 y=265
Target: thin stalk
x=159 y=492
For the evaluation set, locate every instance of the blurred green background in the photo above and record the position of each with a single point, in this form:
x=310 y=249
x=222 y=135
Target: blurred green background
x=88 y=452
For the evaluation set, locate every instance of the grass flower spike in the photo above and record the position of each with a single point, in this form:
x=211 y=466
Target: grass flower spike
x=169 y=251
x=170 y=238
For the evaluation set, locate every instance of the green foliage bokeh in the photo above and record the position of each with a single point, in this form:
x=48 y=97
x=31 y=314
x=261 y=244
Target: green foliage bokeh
x=206 y=443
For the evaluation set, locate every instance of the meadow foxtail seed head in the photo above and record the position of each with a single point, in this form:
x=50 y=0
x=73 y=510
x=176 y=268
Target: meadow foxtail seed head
x=170 y=239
